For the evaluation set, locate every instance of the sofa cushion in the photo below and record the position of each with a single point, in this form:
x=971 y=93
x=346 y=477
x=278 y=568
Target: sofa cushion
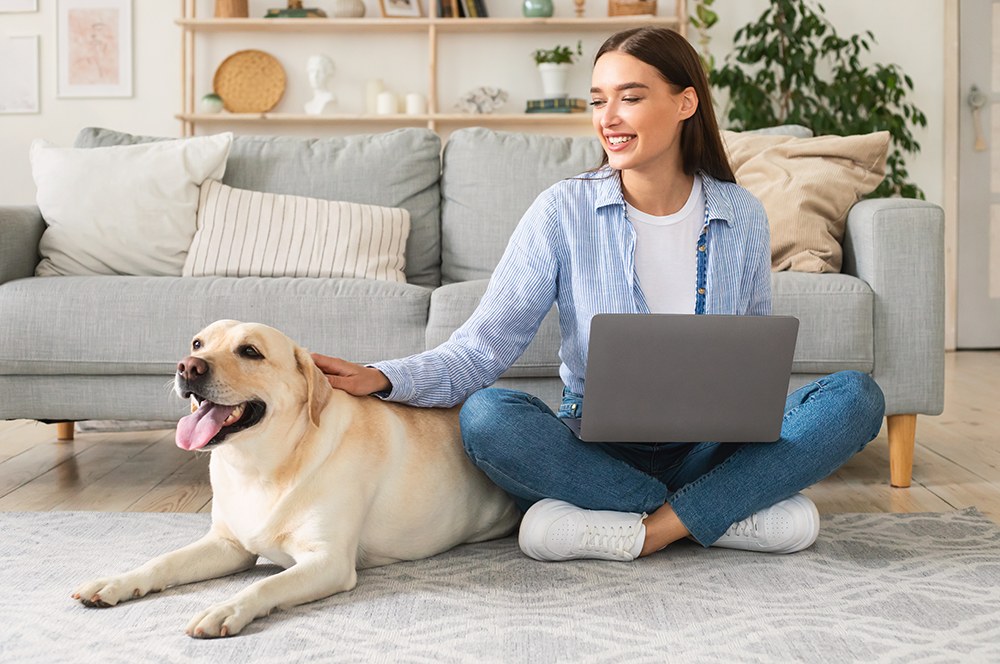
x=807 y=187
x=143 y=325
x=836 y=329
x=244 y=233
x=452 y=304
x=477 y=215
x=399 y=168
x=126 y=209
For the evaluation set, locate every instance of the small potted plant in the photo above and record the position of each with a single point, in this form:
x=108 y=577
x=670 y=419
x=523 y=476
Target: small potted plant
x=554 y=65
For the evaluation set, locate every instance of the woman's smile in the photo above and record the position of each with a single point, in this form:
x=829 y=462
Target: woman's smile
x=618 y=142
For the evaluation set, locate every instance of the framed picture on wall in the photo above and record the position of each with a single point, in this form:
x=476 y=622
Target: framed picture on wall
x=94 y=44
x=19 y=85
x=7 y=6
x=400 y=8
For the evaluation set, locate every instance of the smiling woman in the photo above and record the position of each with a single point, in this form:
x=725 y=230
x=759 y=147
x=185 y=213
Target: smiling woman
x=664 y=96
x=659 y=227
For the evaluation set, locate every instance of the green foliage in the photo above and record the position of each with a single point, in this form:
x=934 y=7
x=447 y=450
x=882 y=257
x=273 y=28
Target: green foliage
x=703 y=18
x=558 y=55
x=791 y=67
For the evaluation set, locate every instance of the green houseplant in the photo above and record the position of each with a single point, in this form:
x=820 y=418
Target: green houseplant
x=791 y=67
x=553 y=66
x=702 y=18
x=558 y=55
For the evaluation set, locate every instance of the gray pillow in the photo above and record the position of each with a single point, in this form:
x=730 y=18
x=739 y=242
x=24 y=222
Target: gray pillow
x=398 y=169
x=490 y=178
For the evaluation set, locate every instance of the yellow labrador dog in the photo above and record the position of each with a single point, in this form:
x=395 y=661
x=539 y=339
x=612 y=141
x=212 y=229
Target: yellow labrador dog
x=312 y=478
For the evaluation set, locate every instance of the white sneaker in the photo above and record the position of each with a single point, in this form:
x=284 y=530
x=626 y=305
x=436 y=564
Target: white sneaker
x=786 y=527
x=553 y=530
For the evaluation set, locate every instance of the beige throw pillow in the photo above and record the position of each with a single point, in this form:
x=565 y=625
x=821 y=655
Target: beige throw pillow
x=253 y=234
x=807 y=187
x=126 y=209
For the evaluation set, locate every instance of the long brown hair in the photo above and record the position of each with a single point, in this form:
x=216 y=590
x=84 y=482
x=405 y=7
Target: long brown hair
x=679 y=65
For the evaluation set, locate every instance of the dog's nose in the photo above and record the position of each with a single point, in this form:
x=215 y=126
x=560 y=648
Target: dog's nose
x=191 y=368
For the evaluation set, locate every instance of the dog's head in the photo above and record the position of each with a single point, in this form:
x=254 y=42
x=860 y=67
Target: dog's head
x=245 y=377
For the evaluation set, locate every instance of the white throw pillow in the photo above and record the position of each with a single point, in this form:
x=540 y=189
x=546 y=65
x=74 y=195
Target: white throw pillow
x=253 y=234
x=125 y=209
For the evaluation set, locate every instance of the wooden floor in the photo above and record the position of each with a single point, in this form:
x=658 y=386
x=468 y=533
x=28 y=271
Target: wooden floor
x=957 y=462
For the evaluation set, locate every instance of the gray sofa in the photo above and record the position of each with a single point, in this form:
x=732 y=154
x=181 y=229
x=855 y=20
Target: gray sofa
x=75 y=348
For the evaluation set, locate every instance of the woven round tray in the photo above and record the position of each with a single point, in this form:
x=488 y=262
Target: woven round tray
x=249 y=82
x=631 y=7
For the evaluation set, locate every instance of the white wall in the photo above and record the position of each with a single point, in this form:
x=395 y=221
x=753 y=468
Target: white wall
x=466 y=62
x=156 y=91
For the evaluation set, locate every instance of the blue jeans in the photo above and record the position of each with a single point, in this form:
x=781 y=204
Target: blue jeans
x=524 y=448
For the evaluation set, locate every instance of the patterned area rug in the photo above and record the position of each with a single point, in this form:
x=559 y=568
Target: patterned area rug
x=874 y=588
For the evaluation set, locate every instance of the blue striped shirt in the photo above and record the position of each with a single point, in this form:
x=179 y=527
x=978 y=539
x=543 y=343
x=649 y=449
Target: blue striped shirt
x=575 y=247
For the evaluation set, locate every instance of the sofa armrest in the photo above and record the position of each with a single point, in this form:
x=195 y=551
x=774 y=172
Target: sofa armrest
x=21 y=229
x=896 y=246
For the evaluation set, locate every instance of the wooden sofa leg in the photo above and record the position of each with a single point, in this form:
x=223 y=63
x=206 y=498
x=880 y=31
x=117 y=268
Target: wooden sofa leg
x=902 y=433
x=64 y=431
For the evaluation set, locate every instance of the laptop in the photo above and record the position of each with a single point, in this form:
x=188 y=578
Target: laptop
x=681 y=378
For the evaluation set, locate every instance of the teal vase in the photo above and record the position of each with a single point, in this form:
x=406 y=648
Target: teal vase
x=537 y=8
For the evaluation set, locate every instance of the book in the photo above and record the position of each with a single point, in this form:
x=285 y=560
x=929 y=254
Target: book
x=561 y=105
x=553 y=110
x=449 y=9
x=308 y=12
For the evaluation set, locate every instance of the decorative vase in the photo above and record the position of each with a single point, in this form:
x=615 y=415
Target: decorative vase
x=349 y=9
x=555 y=79
x=211 y=103
x=537 y=8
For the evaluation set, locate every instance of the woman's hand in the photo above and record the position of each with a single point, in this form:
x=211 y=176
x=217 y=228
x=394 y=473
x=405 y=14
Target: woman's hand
x=352 y=378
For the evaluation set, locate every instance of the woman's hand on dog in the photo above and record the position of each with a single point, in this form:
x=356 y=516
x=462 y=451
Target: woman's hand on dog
x=350 y=377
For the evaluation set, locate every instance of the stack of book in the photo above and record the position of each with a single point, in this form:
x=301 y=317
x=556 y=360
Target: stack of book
x=561 y=105
x=307 y=12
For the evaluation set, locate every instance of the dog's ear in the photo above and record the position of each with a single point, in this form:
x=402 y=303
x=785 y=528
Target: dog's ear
x=317 y=389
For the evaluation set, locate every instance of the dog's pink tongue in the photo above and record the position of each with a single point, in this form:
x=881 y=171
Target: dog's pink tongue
x=195 y=430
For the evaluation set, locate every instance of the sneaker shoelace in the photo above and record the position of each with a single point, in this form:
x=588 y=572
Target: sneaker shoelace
x=744 y=528
x=617 y=540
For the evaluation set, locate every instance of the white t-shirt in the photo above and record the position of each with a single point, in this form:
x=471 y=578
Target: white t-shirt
x=666 y=254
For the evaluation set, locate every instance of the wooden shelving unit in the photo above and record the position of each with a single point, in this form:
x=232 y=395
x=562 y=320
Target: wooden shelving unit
x=191 y=25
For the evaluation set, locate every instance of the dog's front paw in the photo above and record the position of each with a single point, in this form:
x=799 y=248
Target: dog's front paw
x=220 y=620
x=102 y=593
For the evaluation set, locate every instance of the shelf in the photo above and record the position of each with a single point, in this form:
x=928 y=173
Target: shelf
x=513 y=118
x=300 y=118
x=396 y=120
x=610 y=24
x=433 y=31
x=302 y=24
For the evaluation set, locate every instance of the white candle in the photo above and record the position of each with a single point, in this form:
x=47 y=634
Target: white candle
x=386 y=103
x=372 y=90
x=415 y=104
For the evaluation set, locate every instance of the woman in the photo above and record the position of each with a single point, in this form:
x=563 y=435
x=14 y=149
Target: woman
x=660 y=227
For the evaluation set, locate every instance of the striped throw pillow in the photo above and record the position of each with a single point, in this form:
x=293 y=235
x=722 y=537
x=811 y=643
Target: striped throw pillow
x=244 y=233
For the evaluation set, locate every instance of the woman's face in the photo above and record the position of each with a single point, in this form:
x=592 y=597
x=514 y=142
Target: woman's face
x=637 y=114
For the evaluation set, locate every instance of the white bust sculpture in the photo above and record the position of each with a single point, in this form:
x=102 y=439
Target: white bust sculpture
x=320 y=70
